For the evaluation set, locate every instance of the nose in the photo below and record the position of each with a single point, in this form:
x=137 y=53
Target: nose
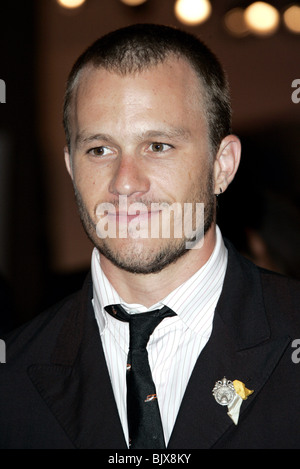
x=129 y=178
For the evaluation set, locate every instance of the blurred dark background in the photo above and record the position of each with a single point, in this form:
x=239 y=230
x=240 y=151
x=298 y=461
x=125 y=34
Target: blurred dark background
x=44 y=253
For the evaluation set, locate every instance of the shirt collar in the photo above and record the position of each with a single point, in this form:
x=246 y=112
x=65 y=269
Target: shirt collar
x=199 y=293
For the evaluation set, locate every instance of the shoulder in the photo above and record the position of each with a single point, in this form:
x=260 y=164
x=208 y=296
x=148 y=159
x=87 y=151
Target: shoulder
x=43 y=330
x=39 y=333
x=282 y=297
x=262 y=289
x=273 y=280
x=38 y=336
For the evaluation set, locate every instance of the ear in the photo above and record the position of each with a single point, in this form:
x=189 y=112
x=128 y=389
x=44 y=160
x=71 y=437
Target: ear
x=68 y=161
x=227 y=162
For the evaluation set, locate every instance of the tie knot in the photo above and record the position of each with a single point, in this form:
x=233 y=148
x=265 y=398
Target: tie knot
x=141 y=325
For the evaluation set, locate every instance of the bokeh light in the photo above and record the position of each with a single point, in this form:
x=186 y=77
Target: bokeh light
x=71 y=3
x=291 y=18
x=192 y=12
x=235 y=24
x=262 y=18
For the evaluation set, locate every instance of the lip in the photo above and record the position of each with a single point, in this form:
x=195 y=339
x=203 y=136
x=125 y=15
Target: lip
x=125 y=217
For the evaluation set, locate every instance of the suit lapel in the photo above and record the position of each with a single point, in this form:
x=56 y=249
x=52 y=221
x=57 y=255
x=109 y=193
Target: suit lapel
x=240 y=347
x=76 y=385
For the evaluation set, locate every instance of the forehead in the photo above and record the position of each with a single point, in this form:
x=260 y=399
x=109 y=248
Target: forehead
x=165 y=96
x=175 y=76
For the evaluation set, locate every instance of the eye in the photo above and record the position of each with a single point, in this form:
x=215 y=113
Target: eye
x=100 y=151
x=158 y=147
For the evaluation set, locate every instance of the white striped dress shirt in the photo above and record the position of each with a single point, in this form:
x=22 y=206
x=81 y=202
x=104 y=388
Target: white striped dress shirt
x=175 y=344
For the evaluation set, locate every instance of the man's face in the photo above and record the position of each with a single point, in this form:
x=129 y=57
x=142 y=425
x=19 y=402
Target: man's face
x=140 y=138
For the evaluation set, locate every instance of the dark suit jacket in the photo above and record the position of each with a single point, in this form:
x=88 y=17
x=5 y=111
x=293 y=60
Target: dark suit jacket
x=55 y=390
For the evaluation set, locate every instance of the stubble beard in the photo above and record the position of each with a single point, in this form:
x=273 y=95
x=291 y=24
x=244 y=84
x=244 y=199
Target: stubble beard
x=136 y=257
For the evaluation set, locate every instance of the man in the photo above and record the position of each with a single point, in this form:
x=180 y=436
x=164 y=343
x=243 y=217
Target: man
x=147 y=120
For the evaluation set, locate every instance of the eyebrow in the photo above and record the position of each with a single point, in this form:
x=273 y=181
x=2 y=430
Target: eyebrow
x=179 y=133
x=172 y=132
x=82 y=138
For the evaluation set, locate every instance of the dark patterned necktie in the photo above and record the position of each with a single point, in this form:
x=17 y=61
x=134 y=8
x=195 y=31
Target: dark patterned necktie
x=144 y=421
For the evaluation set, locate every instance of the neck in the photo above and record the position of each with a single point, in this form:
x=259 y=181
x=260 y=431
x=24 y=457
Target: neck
x=152 y=288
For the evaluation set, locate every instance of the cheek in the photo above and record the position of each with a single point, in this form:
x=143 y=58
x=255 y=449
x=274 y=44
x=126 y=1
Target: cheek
x=88 y=188
x=174 y=178
x=189 y=176
x=85 y=183
x=91 y=178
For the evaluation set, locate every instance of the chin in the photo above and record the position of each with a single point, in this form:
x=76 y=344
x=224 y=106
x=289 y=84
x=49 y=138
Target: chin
x=143 y=256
